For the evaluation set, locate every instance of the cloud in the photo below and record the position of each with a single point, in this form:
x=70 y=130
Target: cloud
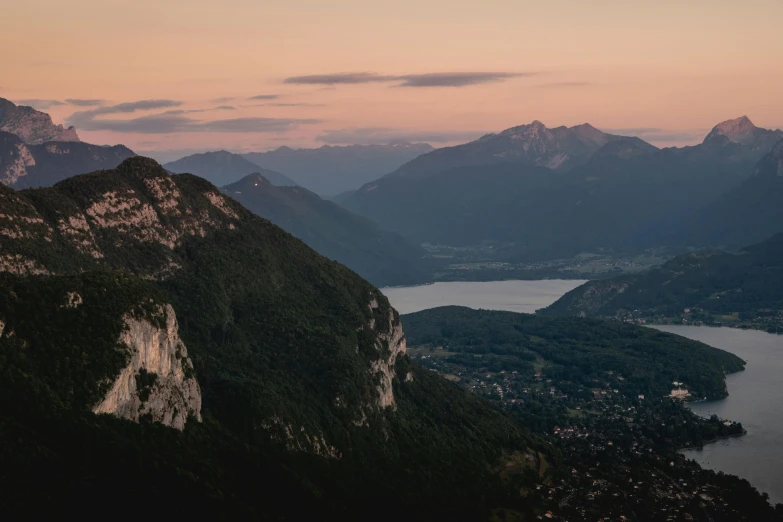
x=142 y=105
x=264 y=97
x=48 y=104
x=456 y=79
x=40 y=105
x=555 y=85
x=174 y=120
x=88 y=120
x=191 y=111
x=255 y=124
x=339 y=78
x=383 y=135
x=223 y=99
x=84 y=103
x=437 y=79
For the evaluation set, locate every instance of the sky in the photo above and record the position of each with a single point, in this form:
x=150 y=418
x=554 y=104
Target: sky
x=169 y=77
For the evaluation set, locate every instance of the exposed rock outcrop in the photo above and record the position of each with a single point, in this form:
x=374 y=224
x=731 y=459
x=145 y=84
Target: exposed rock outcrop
x=158 y=381
x=137 y=203
x=32 y=126
x=390 y=342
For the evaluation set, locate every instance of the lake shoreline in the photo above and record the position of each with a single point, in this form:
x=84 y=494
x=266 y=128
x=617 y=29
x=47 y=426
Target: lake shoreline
x=713 y=441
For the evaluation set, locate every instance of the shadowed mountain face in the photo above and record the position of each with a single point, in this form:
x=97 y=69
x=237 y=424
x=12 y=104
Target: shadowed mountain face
x=381 y=257
x=749 y=212
x=31 y=126
x=331 y=170
x=624 y=194
x=223 y=167
x=306 y=387
x=23 y=165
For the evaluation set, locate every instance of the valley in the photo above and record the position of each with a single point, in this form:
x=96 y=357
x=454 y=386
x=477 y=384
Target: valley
x=486 y=263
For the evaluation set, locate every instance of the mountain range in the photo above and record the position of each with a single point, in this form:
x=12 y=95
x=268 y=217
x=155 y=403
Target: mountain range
x=381 y=257
x=34 y=152
x=559 y=148
x=223 y=167
x=608 y=192
x=160 y=342
x=331 y=170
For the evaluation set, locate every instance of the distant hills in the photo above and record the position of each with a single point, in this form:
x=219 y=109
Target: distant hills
x=32 y=126
x=381 y=257
x=709 y=286
x=223 y=167
x=331 y=170
x=557 y=192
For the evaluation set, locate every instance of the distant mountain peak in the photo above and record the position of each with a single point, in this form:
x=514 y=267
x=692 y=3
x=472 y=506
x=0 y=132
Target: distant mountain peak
x=32 y=126
x=533 y=127
x=738 y=130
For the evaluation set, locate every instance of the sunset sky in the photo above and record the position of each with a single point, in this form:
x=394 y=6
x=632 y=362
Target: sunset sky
x=253 y=75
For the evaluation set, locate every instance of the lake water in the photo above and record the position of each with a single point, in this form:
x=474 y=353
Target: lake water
x=755 y=399
x=755 y=395
x=514 y=296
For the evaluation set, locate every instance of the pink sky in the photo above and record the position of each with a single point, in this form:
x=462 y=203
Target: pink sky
x=665 y=70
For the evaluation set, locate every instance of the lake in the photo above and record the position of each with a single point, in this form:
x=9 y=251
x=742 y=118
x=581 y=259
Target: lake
x=755 y=399
x=755 y=395
x=514 y=296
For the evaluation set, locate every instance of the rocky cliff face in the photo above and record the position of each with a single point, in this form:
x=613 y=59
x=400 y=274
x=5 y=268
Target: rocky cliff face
x=32 y=126
x=158 y=382
x=15 y=158
x=183 y=230
x=390 y=343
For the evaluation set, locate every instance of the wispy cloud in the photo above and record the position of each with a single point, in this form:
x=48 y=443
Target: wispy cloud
x=436 y=79
x=224 y=99
x=264 y=97
x=456 y=79
x=174 y=120
x=40 y=105
x=48 y=104
x=84 y=103
x=339 y=78
x=382 y=135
